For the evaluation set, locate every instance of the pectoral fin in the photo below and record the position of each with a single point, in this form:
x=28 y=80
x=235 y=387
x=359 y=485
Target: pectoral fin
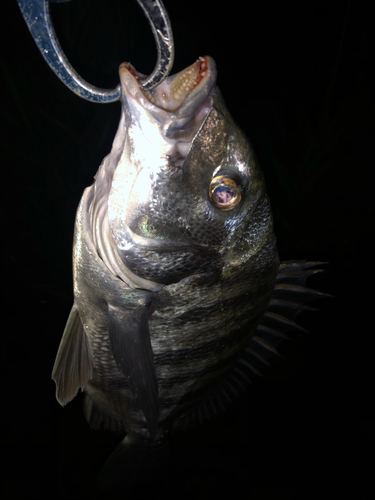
x=131 y=344
x=74 y=364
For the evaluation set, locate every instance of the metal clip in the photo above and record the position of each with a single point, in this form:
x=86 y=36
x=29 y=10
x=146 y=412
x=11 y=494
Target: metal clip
x=37 y=16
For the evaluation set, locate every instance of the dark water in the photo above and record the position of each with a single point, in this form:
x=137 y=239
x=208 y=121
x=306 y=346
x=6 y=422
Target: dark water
x=300 y=83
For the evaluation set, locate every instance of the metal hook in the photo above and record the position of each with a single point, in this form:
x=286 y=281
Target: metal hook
x=37 y=17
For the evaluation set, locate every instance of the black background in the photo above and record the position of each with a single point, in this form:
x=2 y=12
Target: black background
x=298 y=79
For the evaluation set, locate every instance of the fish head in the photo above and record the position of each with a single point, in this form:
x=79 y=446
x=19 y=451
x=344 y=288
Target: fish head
x=186 y=185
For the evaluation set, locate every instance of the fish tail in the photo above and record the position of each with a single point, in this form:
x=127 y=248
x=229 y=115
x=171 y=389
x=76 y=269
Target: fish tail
x=134 y=464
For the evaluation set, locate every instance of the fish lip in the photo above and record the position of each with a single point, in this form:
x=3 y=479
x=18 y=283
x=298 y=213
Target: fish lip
x=176 y=117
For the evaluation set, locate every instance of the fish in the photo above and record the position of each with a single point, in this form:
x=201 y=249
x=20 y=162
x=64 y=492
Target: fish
x=180 y=298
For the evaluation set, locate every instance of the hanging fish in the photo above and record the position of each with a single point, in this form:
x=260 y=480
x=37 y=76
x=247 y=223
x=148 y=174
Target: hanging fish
x=179 y=295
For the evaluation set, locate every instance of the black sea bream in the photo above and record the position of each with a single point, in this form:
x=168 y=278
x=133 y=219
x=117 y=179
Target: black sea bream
x=177 y=282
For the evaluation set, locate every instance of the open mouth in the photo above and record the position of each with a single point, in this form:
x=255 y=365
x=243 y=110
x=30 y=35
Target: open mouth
x=181 y=94
x=173 y=91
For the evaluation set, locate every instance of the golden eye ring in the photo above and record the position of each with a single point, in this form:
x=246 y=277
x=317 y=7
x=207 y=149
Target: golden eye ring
x=224 y=192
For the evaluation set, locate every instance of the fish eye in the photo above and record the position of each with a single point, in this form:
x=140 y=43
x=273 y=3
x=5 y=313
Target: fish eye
x=225 y=192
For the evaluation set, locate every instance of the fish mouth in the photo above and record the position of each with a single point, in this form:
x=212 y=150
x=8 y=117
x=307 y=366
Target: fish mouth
x=175 y=101
x=172 y=93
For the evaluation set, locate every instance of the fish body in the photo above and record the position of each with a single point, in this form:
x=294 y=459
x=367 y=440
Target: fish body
x=176 y=269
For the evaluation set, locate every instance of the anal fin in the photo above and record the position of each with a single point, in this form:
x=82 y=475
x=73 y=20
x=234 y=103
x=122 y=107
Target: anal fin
x=73 y=364
x=97 y=418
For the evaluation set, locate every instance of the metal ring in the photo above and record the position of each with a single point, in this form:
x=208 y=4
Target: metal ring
x=37 y=16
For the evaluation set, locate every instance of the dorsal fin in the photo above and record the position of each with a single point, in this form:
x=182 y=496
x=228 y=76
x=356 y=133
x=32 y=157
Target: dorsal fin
x=287 y=300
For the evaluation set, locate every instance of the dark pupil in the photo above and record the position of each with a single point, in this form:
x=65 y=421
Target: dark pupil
x=223 y=194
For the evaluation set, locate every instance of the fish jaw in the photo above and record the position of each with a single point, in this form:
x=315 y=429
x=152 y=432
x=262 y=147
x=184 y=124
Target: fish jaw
x=159 y=128
x=173 y=103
